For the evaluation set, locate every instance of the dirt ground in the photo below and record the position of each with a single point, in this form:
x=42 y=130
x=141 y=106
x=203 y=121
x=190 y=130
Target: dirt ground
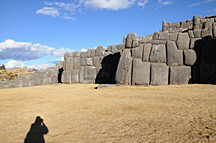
x=117 y=114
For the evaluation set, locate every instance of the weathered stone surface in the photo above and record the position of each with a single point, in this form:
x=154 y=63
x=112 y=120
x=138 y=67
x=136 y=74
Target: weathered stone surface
x=193 y=42
x=146 y=52
x=87 y=74
x=99 y=51
x=189 y=57
x=191 y=34
x=159 y=74
x=137 y=52
x=214 y=30
x=180 y=74
x=158 y=42
x=89 y=61
x=129 y=40
x=163 y=35
x=174 y=56
x=173 y=36
x=92 y=52
x=135 y=43
x=158 y=54
x=155 y=36
x=141 y=72
x=123 y=74
x=75 y=76
x=183 y=41
x=197 y=33
x=206 y=32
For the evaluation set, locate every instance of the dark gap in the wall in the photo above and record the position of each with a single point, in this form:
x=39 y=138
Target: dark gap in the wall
x=60 y=72
x=107 y=73
x=204 y=69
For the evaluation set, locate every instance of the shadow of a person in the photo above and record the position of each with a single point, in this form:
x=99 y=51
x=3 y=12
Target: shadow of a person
x=37 y=131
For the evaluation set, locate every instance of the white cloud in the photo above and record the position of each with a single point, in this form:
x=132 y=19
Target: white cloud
x=84 y=50
x=109 y=4
x=165 y=2
x=50 y=11
x=142 y=3
x=14 y=64
x=11 y=64
x=23 y=51
x=200 y=2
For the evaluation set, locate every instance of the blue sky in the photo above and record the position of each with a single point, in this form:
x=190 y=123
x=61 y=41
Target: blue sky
x=36 y=33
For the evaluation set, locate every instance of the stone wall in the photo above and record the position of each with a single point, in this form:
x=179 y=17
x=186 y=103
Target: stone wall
x=182 y=53
x=173 y=56
x=48 y=76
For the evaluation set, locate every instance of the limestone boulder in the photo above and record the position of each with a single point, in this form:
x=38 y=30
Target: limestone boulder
x=163 y=35
x=197 y=33
x=129 y=40
x=141 y=72
x=137 y=52
x=123 y=73
x=180 y=74
x=183 y=41
x=214 y=30
x=173 y=36
x=190 y=57
x=159 y=74
x=146 y=52
x=158 y=54
x=193 y=42
x=174 y=56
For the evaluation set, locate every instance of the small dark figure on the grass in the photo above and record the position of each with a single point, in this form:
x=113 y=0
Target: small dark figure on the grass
x=37 y=131
x=60 y=71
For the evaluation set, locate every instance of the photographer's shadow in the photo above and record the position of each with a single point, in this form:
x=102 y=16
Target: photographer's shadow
x=37 y=131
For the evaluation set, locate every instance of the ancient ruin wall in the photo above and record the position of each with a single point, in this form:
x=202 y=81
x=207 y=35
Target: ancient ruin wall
x=171 y=56
x=182 y=53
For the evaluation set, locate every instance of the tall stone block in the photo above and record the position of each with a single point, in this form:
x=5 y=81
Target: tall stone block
x=146 y=51
x=129 y=40
x=174 y=56
x=173 y=36
x=180 y=74
x=183 y=41
x=137 y=52
x=190 y=57
x=158 y=54
x=159 y=74
x=123 y=74
x=141 y=72
x=163 y=35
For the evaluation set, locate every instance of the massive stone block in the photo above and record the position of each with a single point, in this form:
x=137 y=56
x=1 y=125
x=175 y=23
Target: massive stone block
x=89 y=61
x=123 y=74
x=159 y=74
x=183 y=41
x=190 y=57
x=173 y=36
x=99 y=51
x=197 y=33
x=141 y=72
x=163 y=35
x=146 y=52
x=87 y=74
x=75 y=76
x=129 y=40
x=180 y=74
x=137 y=52
x=174 y=56
x=214 y=30
x=191 y=34
x=158 y=54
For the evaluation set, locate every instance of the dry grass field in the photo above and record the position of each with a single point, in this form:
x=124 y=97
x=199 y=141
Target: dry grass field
x=117 y=114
